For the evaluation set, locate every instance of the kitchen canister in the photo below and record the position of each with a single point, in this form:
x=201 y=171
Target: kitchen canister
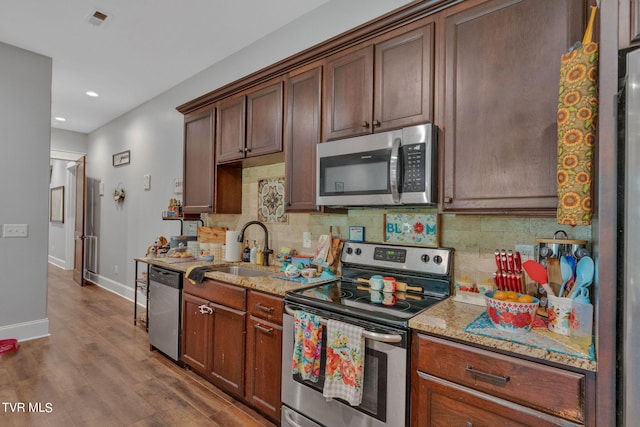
x=233 y=248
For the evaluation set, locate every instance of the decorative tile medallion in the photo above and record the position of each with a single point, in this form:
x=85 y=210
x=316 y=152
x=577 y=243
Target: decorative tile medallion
x=271 y=201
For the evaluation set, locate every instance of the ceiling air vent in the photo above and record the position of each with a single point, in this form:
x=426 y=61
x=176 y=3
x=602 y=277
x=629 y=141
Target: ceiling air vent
x=97 y=18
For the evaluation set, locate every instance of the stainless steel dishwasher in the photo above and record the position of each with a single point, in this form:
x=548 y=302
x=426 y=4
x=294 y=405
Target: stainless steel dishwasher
x=165 y=305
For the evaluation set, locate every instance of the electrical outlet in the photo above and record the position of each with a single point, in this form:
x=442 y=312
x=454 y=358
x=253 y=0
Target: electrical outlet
x=527 y=252
x=15 y=230
x=306 y=239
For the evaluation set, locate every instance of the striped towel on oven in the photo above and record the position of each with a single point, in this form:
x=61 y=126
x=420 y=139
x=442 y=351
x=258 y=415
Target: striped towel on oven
x=307 y=346
x=345 y=362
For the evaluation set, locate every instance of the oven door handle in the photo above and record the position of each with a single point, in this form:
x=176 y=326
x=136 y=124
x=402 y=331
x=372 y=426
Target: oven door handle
x=376 y=336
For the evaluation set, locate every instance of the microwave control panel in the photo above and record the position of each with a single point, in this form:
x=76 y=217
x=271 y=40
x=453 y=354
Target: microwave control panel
x=413 y=162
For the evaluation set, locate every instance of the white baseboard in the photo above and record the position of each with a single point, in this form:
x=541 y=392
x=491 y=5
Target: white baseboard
x=26 y=331
x=58 y=262
x=117 y=288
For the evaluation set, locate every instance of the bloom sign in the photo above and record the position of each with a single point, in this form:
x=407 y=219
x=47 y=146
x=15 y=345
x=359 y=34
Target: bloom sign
x=412 y=229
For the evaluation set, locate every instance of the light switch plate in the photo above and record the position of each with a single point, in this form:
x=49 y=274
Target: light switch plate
x=15 y=230
x=146 y=182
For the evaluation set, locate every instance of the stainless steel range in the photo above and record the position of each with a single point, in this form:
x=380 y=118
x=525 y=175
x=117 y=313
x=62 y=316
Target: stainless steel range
x=426 y=272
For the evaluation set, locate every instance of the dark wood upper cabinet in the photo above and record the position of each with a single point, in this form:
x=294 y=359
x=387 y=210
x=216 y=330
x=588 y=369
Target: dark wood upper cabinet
x=264 y=119
x=230 y=132
x=501 y=74
x=385 y=85
x=250 y=124
x=348 y=93
x=628 y=23
x=403 y=73
x=302 y=134
x=199 y=162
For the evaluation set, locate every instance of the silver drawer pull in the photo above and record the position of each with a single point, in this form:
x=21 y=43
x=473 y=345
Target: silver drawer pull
x=205 y=309
x=263 y=329
x=265 y=308
x=497 y=378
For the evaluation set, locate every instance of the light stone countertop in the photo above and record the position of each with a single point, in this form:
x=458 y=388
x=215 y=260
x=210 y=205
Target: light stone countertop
x=449 y=318
x=268 y=283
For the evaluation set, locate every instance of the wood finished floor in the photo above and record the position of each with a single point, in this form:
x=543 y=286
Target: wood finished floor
x=96 y=369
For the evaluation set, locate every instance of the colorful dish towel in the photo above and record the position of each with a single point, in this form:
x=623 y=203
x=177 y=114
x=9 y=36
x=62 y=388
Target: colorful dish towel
x=307 y=346
x=344 y=371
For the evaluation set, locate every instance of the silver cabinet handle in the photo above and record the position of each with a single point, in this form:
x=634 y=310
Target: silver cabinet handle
x=265 y=308
x=205 y=309
x=492 y=377
x=364 y=124
x=376 y=123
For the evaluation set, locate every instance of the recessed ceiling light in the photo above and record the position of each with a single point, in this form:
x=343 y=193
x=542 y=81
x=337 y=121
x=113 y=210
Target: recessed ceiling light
x=92 y=93
x=60 y=119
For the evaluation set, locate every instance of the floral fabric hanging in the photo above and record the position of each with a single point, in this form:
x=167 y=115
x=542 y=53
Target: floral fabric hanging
x=577 y=114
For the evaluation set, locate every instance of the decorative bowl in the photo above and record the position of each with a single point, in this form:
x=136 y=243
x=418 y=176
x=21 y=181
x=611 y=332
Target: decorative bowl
x=207 y=258
x=512 y=316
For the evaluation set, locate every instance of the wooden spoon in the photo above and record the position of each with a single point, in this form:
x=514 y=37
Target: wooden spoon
x=538 y=273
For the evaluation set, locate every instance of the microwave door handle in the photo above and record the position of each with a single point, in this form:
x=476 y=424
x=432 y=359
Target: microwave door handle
x=394 y=171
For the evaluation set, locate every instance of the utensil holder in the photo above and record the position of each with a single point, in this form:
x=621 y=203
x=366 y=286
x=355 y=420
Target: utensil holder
x=560 y=314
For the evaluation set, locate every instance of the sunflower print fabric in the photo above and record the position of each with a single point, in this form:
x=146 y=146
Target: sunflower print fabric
x=577 y=114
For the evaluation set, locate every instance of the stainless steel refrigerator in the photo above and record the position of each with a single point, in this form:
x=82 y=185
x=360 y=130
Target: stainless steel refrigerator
x=629 y=109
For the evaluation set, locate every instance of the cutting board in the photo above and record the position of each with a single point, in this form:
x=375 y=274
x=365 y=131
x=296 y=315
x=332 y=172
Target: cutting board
x=212 y=234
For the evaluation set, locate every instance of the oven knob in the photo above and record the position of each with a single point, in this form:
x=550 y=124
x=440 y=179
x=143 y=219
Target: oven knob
x=437 y=259
x=358 y=251
x=425 y=258
x=349 y=251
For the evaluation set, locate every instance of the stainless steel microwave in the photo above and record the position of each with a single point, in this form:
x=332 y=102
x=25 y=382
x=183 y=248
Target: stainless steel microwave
x=382 y=169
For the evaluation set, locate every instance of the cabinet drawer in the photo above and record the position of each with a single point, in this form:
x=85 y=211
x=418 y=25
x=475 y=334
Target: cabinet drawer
x=545 y=388
x=264 y=306
x=443 y=403
x=221 y=293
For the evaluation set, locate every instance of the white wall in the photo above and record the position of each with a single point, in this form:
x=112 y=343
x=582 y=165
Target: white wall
x=154 y=134
x=25 y=114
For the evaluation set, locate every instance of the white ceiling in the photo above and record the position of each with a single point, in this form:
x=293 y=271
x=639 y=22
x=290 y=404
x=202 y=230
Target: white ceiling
x=142 y=49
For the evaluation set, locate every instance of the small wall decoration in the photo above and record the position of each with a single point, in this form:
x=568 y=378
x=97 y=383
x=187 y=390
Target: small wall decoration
x=122 y=158
x=56 y=205
x=412 y=229
x=119 y=194
x=271 y=201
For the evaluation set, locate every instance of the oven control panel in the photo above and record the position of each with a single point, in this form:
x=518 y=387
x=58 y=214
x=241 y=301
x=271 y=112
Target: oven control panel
x=389 y=254
x=435 y=261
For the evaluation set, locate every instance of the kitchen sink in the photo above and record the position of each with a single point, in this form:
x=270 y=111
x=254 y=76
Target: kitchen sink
x=237 y=270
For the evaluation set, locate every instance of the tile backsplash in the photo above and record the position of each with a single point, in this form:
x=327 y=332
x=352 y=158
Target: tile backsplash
x=474 y=237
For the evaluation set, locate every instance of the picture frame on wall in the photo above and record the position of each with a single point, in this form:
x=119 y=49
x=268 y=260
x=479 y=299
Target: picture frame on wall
x=56 y=205
x=419 y=229
x=122 y=158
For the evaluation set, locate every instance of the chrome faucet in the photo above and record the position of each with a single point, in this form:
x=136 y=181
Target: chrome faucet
x=266 y=251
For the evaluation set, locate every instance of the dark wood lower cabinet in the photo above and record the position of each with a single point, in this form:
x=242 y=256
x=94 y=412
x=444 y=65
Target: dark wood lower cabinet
x=440 y=403
x=226 y=369
x=196 y=329
x=213 y=342
x=264 y=354
x=239 y=353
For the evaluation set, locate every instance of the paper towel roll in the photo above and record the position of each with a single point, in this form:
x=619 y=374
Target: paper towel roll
x=233 y=247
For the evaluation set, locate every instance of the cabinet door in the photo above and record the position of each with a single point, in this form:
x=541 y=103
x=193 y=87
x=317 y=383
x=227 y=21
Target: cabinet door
x=628 y=23
x=500 y=101
x=264 y=120
x=404 y=79
x=196 y=332
x=263 y=374
x=226 y=368
x=230 y=129
x=199 y=164
x=439 y=403
x=302 y=134
x=348 y=94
